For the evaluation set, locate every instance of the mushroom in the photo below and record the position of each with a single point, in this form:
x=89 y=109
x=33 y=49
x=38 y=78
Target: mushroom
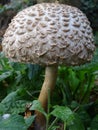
x=49 y=34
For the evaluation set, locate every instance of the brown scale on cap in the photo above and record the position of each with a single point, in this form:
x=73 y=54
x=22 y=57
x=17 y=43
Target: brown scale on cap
x=40 y=23
x=49 y=34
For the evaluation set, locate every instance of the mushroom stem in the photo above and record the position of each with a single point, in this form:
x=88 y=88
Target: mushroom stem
x=48 y=86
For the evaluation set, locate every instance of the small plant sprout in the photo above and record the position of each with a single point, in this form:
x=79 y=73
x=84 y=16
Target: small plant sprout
x=49 y=34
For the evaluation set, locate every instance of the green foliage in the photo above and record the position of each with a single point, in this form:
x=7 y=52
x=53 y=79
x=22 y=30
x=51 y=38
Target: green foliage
x=15 y=122
x=16 y=85
x=96 y=37
x=20 y=84
x=13 y=102
x=16 y=5
x=90 y=8
x=37 y=106
x=29 y=120
x=61 y=111
x=94 y=124
x=75 y=124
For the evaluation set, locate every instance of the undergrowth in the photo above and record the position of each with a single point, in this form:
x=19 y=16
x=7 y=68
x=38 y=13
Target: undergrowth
x=74 y=103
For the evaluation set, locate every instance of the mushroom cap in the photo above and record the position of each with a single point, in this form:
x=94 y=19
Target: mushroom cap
x=48 y=34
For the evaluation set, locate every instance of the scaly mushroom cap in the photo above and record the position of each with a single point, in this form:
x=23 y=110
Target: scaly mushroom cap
x=49 y=33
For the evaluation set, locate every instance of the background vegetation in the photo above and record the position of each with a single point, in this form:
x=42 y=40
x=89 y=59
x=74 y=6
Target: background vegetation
x=74 y=104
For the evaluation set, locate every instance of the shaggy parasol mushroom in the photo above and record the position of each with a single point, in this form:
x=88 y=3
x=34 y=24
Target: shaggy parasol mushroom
x=49 y=34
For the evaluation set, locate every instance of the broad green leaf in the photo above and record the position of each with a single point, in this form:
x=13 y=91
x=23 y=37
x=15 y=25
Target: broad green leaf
x=75 y=124
x=94 y=124
x=10 y=97
x=63 y=113
x=13 y=102
x=14 y=122
x=37 y=106
x=29 y=120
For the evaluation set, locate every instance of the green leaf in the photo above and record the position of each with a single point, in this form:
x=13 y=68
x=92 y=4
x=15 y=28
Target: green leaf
x=14 y=122
x=84 y=116
x=94 y=124
x=2 y=109
x=29 y=120
x=13 y=102
x=63 y=113
x=37 y=106
x=75 y=124
x=73 y=80
x=10 y=97
x=5 y=75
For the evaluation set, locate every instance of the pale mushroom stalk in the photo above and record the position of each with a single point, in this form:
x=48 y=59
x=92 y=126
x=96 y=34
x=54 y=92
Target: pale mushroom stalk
x=48 y=86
